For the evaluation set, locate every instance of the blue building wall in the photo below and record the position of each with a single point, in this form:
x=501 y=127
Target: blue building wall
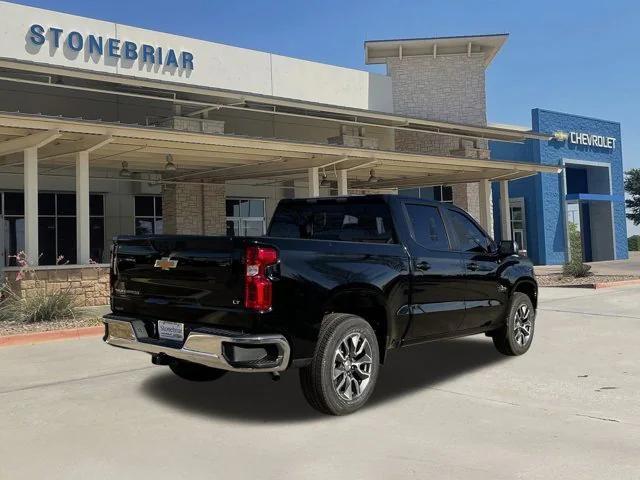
x=543 y=193
x=525 y=188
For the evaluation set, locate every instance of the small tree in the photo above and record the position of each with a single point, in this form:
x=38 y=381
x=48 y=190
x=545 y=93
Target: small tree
x=575 y=267
x=632 y=187
x=575 y=243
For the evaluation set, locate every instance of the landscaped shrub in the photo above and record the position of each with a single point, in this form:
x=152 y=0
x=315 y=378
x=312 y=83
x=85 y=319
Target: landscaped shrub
x=634 y=243
x=575 y=267
x=38 y=305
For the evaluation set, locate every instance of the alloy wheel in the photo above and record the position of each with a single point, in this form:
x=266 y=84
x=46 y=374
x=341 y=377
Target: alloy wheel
x=522 y=325
x=352 y=366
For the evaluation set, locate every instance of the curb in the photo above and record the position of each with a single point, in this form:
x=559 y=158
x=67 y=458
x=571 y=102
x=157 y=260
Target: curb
x=597 y=286
x=41 y=337
x=615 y=284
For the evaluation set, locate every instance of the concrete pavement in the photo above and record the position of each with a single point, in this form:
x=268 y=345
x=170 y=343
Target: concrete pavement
x=569 y=408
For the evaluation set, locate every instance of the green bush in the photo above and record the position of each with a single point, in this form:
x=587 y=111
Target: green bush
x=634 y=243
x=37 y=306
x=575 y=267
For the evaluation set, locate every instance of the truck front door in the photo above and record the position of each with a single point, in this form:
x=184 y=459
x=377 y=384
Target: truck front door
x=484 y=299
x=437 y=278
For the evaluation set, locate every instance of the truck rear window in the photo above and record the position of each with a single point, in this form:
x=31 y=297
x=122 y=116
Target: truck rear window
x=346 y=222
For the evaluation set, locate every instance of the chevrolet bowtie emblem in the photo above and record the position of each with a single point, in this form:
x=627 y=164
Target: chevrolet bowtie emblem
x=560 y=136
x=165 y=263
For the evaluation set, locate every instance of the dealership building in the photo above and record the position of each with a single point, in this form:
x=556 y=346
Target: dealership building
x=107 y=129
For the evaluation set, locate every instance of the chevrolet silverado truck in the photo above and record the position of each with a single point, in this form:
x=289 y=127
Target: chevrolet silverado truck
x=335 y=285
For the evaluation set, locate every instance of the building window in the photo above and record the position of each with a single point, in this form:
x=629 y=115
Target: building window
x=443 y=193
x=440 y=193
x=148 y=214
x=245 y=217
x=56 y=227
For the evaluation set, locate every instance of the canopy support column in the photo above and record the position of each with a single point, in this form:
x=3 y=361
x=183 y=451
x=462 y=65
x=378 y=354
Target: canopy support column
x=484 y=195
x=343 y=186
x=505 y=211
x=314 y=182
x=31 y=247
x=82 y=208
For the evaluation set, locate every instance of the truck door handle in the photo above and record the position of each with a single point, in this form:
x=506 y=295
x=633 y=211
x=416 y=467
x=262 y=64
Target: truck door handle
x=423 y=266
x=473 y=266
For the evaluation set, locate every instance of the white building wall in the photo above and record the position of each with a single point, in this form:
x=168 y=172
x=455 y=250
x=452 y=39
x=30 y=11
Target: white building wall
x=215 y=65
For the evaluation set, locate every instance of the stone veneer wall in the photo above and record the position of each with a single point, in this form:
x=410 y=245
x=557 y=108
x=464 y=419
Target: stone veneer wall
x=90 y=284
x=448 y=88
x=197 y=209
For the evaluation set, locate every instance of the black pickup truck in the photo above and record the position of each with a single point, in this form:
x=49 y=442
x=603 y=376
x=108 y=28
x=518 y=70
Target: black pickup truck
x=334 y=285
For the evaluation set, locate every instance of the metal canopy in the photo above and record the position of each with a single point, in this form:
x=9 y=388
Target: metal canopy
x=378 y=51
x=219 y=158
x=196 y=100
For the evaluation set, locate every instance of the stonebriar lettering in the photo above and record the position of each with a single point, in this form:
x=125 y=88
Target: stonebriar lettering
x=592 y=140
x=111 y=47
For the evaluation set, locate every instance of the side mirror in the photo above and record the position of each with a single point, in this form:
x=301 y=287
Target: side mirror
x=508 y=248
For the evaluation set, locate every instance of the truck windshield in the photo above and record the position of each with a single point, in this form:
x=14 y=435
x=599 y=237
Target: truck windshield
x=347 y=222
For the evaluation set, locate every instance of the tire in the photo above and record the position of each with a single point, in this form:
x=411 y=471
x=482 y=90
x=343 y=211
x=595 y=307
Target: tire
x=512 y=339
x=194 y=372
x=357 y=368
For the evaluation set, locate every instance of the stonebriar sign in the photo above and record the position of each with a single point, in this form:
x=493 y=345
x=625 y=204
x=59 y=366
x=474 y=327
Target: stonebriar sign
x=97 y=45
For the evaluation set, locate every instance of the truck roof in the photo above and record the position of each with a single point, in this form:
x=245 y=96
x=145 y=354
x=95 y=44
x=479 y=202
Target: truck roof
x=370 y=198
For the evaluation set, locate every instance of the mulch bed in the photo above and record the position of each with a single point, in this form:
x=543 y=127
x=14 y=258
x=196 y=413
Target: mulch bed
x=15 y=328
x=556 y=280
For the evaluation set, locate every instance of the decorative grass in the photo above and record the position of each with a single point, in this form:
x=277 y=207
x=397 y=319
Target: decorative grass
x=38 y=306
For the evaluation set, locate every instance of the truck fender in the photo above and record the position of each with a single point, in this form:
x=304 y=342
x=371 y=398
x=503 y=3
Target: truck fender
x=366 y=301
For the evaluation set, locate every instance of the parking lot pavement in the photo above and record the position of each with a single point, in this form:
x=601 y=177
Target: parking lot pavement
x=569 y=408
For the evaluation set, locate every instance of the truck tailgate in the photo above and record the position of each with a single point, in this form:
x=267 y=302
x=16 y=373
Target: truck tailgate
x=185 y=278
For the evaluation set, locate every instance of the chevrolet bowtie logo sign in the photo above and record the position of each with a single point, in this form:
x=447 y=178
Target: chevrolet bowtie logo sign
x=560 y=136
x=166 y=263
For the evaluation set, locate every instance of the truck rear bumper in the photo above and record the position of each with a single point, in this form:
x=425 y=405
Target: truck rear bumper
x=241 y=353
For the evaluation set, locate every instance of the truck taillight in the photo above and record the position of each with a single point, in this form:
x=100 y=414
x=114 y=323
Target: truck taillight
x=257 y=286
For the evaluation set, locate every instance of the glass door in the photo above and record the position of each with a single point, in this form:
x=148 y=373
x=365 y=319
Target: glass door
x=518 y=222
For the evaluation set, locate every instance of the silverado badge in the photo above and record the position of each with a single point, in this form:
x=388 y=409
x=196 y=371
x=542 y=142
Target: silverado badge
x=165 y=263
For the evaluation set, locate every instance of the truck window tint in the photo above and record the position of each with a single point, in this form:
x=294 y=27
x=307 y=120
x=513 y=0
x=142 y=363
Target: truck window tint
x=428 y=226
x=339 y=222
x=470 y=238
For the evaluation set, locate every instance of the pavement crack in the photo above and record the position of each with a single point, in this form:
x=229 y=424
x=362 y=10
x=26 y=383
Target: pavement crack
x=72 y=380
x=479 y=397
x=608 y=315
x=604 y=419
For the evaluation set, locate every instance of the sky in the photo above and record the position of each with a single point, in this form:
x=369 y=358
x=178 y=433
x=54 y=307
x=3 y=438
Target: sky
x=572 y=56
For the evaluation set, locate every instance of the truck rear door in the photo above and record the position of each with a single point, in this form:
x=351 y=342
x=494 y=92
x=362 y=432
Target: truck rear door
x=437 y=278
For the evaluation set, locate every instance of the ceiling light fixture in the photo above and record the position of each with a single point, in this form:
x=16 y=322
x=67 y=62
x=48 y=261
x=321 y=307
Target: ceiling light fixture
x=125 y=172
x=170 y=166
x=325 y=181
